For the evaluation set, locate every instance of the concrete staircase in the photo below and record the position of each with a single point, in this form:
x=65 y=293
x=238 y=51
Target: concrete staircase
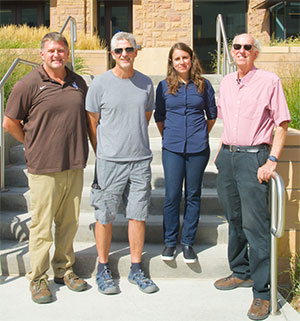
x=211 y=238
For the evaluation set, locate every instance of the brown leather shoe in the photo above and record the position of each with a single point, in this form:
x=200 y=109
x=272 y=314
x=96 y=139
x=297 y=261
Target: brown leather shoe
x=40 y=292
x=259 y=310
x=232 y=282
x=72 y=281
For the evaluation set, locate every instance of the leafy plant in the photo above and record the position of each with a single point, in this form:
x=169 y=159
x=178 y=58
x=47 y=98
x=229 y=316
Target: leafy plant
x=291 y=87
x=291 y=41
x=6 y=60
x=292 y=293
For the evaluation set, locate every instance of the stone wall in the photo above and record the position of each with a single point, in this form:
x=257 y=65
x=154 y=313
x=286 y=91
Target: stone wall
x=78 y=9
x=258 y=22
x=162 y=23
x=289 y=168
x=284 y=61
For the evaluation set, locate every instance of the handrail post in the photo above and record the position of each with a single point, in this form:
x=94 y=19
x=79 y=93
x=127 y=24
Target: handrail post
x=73 y=36
x=221 y=35
x=277 y=204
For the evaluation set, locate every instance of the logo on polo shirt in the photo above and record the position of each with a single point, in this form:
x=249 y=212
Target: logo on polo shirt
x=42 y=87
x=74 y=85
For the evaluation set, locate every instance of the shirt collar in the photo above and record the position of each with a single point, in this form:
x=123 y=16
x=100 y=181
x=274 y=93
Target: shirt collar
x=246 y=79
x=45 y=77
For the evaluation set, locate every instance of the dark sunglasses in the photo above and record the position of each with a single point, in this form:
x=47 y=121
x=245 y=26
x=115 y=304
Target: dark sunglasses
x=118 y=51
x=238 y=47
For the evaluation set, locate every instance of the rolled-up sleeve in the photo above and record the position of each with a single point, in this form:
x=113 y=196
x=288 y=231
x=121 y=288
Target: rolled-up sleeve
x=160 y=105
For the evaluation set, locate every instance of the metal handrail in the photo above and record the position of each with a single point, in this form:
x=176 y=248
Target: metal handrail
x=277 y=204
x=73 y=36
x=2 y=83
x=228 y=63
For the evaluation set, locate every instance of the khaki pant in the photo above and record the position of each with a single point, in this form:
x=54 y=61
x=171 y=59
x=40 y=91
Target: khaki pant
x=53 y=197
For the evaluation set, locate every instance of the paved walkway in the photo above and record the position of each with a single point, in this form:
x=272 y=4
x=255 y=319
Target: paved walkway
x=177 y=300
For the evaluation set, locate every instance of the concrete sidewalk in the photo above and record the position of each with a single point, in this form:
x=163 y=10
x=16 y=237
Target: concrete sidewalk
x=177 y=300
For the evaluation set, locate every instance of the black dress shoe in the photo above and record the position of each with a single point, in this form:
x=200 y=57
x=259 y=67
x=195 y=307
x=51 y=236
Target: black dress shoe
x=168 y=253
x=189 y=255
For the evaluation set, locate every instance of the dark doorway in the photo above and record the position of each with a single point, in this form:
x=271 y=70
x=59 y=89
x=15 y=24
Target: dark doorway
x=204 y=25
x=114 y=16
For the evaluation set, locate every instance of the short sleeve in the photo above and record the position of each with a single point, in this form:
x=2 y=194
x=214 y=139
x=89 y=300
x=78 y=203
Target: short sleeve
x=19 y=101
x=94 y=96
x=279 y=108
x=150 y=104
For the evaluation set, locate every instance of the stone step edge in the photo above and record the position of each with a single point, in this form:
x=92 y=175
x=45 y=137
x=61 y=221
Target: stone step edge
x=212 y=261
x=212 y=229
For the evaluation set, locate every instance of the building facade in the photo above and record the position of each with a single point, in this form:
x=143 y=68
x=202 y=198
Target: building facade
x=159 y=24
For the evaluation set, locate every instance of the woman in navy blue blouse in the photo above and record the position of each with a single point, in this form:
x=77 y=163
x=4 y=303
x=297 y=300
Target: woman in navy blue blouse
x=185 y=113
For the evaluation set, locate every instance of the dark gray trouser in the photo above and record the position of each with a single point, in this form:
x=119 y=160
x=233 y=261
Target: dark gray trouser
x=245 y=204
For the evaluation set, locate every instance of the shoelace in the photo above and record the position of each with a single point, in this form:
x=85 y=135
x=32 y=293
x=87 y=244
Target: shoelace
x=73 y=276
x=140 y=277
x=257 y=302
x=42 y=284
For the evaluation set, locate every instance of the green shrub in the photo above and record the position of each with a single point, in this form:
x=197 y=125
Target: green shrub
x=19 y=72
x=13 y=36
x=291 y=87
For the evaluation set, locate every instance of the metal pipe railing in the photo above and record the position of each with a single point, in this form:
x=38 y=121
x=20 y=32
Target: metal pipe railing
x=228 y=63
x=277 y=205
x=73 y=36
x=2 y=140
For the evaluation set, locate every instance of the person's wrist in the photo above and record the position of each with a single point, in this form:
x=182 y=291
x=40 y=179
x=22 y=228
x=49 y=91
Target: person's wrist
x=272 y=158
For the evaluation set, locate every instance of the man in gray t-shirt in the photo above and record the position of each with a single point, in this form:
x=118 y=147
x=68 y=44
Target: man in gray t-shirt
x=120 y=104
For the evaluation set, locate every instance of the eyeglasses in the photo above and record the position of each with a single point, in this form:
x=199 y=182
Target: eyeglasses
x=238 y=47
x=118 y=51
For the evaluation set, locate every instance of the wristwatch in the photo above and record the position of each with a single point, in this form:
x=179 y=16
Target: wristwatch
x=273 y=158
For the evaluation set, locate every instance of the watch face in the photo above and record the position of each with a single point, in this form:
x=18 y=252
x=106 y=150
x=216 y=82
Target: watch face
x=272 y=158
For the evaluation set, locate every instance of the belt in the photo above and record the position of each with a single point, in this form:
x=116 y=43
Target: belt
x=245 y=149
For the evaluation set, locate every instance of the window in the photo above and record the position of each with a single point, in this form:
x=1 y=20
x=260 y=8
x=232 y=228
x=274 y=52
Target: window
x=32 y=13
x=285 y=19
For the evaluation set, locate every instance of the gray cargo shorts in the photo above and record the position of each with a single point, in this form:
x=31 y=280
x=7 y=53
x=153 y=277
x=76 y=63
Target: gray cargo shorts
x=129 y=182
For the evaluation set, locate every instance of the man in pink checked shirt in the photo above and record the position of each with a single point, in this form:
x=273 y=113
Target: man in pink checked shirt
x=251 y=103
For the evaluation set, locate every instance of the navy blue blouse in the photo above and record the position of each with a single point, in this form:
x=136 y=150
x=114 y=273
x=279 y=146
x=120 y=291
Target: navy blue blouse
x=184 y=115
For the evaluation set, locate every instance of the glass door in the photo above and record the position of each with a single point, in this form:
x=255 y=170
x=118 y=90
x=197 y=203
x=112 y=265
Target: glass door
x=114 y=16
x=204 y=26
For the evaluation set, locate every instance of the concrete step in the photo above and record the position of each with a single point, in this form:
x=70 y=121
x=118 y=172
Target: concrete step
x=212 y=229
x=212 y=260
x=17 y=199
x=16 y=175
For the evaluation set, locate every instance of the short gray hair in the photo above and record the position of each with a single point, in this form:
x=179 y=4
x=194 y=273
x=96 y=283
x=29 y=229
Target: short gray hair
x=54 y=36
x=122 y=35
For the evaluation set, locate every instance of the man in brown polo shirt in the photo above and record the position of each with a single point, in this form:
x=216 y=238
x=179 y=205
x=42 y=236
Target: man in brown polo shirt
x=45 y=111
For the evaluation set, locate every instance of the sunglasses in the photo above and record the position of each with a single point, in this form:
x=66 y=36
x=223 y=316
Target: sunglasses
x=118 y=51
x=238 y=47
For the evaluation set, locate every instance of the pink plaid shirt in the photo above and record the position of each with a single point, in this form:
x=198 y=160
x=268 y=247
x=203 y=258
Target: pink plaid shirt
x=251 y=107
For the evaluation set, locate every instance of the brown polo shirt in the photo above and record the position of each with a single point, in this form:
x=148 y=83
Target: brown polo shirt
x=54 y=121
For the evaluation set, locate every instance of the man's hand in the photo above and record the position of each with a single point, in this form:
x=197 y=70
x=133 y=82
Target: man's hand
x=265 y=172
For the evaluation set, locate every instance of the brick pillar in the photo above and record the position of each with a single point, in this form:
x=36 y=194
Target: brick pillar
x=78 y=9
x=162 y=23
x=258 y=22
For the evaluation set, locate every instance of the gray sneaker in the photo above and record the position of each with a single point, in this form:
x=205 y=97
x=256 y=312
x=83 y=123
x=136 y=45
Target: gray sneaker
x=105 y=282
x=145 y=284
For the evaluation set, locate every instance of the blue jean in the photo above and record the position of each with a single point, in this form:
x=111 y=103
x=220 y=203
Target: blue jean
x=179 y=167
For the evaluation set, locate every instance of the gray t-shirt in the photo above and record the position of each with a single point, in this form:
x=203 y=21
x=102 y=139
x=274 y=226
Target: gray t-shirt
x=122 y=133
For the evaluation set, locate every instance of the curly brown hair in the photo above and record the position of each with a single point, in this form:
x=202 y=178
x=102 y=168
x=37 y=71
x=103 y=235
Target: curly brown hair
x=195 y=71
